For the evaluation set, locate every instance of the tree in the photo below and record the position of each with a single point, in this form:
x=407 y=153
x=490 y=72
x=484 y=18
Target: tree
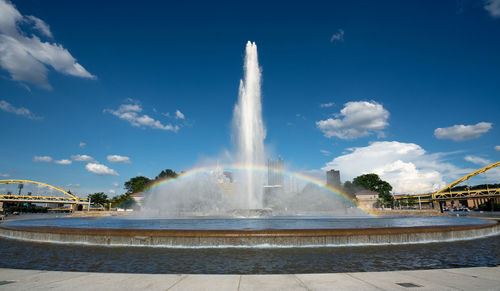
x=98 y=198
x=374 y=183
x=349 y=188
x=136 y=184
x=121 y=201
x=168 y=173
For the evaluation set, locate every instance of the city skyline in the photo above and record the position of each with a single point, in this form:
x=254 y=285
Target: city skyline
x=92 y=97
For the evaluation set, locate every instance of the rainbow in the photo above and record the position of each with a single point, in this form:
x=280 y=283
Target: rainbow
x=296 y=175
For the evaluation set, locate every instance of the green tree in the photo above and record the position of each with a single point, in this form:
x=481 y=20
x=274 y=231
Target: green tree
x=168 y=173
x=121 y=200
x=136 y=184
x=350 y=188
x=374 y=183
x=98 y=198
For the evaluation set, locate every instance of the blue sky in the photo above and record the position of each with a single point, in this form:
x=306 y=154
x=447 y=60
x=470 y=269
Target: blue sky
x=406 y=89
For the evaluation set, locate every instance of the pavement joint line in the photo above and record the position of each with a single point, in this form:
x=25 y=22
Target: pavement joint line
x=57 y=281
x=300 y=282
x=359 y=279
x=450 y=271
x=239 y=282
x=177 y=282
x=426 y=279
x=462 y=274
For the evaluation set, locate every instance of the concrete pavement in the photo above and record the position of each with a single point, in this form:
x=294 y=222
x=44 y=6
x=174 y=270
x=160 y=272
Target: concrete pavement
x=479 y=278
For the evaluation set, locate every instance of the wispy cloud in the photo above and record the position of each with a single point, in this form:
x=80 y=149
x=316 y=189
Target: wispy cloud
x=4 y=175
x=356 y=119
x=42 y=159
x=49 y=159
x=338 y=36
x=25 y=56
x=493 y=174
x=82 y=144
x=301 y=116
x=463 y=132
x=100 y=169
x=178 y=114
x=477 y=160
x=24 y=112
x=493 y=7
x=118 y=159
x=82 y=158
x=327 y=105
x=325 y=152
x=73 y=185
x=497 y=148
x=39 y=25
x=131 y=113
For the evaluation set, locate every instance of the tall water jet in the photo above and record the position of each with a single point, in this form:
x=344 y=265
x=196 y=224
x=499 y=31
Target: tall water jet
x=250 y=132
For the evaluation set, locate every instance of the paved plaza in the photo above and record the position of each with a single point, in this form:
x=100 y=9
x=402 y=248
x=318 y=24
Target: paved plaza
x=479 y=278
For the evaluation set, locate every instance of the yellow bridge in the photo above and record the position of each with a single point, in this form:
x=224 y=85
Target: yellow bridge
x=59 y=197
x=446 y=193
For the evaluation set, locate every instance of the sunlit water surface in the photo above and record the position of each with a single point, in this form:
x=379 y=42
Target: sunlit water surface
x=214 y=223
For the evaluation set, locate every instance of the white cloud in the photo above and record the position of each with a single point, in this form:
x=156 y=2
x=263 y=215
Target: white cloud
x=82 y=158
x=298 y=115
x=7 y=107
x=130 y=113
x=493 y=7
x=25 y=56
x=325 y=152
x=462 y=132
x=73 y=185
x=492 y=175
x=116 y=184
x=82 y=144
x=406 y=166
x=338 y=36
x=359 y=119
x=100 y=169
x=477 y=160
x=44 y=159
x=178 y=114
x=326 y=105
x=4 y=175
x=497 y=148
x=118 y=159
x=111 y=191
x=62 y=162
x=39 y=25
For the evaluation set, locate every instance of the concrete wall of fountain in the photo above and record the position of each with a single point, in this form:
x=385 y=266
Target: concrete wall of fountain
x=239 y=238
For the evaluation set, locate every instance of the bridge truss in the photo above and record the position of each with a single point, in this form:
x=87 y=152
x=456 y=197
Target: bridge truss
x=52 y=194
x=446 y=193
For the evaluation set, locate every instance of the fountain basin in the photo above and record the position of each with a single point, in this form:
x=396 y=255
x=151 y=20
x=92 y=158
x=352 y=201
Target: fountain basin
x=317 y=233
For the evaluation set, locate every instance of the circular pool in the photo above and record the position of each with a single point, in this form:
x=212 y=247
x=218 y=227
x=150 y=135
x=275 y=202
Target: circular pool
x=216 y=232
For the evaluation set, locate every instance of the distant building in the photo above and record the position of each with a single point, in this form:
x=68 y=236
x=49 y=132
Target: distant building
x=333 y=178
x=224 y=179
x=366 y=199
x=275 y=176
x=229 y=176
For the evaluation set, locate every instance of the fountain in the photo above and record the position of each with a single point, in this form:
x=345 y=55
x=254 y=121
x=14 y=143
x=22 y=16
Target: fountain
x=195 y=211
x=250 y=128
